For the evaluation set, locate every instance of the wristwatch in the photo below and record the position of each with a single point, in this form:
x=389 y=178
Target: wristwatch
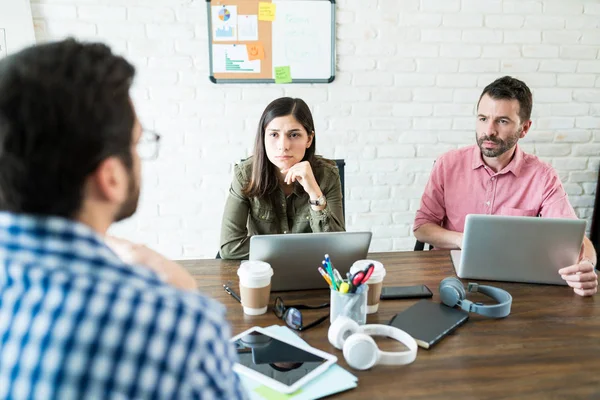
x=321 y=201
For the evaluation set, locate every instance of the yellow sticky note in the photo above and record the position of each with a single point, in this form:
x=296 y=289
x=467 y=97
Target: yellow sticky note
x=256 y=51
x=283 y=75
x=266 y=12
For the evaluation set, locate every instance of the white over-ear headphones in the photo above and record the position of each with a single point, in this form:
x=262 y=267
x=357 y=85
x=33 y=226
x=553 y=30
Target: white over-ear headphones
x=361 y=351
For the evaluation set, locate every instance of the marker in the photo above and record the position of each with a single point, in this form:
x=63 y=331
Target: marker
x=338 y=277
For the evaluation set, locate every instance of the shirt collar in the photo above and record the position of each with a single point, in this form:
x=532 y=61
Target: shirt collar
x=515 y=165
x=48 y=235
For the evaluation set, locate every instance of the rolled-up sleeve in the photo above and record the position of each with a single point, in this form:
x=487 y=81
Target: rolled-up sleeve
x=331 y=218
x=555 y=202
x=432 y=208
x=235 y=242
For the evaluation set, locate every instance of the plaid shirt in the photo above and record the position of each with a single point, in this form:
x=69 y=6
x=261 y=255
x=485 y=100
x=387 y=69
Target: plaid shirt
x=76 y=322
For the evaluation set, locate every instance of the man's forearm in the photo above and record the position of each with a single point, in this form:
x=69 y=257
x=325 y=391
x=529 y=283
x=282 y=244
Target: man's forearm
x=439 y=237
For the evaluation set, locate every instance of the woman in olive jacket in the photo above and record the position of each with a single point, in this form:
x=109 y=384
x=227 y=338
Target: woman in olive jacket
x=284 y=187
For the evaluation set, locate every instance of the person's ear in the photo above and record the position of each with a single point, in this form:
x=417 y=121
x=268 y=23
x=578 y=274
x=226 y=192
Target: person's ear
x=525 y=129
x=111 y=180
x=310 y=139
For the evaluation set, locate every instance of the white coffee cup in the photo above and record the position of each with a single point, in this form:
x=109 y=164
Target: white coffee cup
x=255 y=286
x=375 y=282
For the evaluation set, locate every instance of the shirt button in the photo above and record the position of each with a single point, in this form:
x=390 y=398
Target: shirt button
x=487 y=203
x=493 y=178
x=307 y=217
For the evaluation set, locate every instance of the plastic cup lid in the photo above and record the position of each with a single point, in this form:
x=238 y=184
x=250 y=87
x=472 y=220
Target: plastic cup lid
x=378 y=272
x=255 y=270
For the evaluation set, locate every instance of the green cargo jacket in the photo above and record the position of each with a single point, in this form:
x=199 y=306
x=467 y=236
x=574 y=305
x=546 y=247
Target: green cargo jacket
x=244 y=217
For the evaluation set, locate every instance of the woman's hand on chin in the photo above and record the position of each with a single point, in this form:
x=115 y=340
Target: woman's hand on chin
x=303 y=174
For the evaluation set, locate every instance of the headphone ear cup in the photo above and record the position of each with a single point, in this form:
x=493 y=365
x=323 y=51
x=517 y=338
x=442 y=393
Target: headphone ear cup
x=452 y=291
x=339 y=331
x=361 y=351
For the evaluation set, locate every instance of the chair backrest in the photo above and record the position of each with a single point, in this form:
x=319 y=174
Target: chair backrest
x=420 y=246
x=341 y=164
x=595 y=229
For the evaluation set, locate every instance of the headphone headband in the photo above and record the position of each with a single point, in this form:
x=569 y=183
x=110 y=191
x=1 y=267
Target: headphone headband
x=453 y=293
x=361 y=351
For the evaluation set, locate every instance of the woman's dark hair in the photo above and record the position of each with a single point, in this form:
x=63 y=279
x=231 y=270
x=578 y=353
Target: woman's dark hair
x=64 y=108
x=509 y=88
x=264 y=180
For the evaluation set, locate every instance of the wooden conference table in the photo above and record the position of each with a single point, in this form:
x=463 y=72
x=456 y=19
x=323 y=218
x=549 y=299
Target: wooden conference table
x=548 y=347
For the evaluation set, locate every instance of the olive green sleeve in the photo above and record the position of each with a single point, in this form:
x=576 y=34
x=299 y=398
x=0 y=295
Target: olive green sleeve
x=331 y=218
x=235 y=242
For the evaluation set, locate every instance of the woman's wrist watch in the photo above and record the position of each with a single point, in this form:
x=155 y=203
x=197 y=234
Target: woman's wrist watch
x=321 y=201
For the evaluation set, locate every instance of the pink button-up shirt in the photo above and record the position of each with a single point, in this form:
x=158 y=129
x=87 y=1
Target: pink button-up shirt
x=462 y=184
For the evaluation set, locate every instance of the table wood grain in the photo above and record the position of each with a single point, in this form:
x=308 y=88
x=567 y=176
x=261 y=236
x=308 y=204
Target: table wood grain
x=548 y=347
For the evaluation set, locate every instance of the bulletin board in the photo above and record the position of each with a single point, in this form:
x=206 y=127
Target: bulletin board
x=280 y=41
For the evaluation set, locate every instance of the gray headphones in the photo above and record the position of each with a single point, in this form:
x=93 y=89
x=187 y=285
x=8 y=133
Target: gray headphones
x=453 y=294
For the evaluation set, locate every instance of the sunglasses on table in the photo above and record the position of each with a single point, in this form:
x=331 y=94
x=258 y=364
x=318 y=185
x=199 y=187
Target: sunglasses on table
x=293 y=316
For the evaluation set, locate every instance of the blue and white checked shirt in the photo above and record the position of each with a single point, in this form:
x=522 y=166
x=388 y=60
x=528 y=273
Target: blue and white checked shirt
x=76 y=322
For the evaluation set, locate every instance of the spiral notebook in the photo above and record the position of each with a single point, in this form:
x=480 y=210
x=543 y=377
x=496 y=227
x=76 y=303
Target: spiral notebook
x=428 y=322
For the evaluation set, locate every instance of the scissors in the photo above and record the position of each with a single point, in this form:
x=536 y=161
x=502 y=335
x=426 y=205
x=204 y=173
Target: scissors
x=362 y=276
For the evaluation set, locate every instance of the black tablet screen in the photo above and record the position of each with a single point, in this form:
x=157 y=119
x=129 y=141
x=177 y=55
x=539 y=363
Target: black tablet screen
x=276 y=359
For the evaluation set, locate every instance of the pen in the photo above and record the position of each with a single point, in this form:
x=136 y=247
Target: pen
x=333 y=285
x=232 y=293
x=324 y=275
x=331 y=271
x=338 y=277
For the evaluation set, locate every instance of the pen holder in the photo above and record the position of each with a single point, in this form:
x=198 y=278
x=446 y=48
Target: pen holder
x=351 y=305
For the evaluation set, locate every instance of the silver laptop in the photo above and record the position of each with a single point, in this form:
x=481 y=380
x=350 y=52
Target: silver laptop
x=295 y=257
x=518 y=249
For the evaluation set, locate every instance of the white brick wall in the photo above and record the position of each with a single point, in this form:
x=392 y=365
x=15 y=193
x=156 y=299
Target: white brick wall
x=409 y=75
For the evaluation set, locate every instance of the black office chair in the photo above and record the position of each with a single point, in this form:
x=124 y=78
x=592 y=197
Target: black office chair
x=595 y=230
x=420 y=246
x=340 y=165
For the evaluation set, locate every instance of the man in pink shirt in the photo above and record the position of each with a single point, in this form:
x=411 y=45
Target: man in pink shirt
x=497 y=177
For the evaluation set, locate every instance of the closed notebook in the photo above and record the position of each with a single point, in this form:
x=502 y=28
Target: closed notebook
x=428 y=322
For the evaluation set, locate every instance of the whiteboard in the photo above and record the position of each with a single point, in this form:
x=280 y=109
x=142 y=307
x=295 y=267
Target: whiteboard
x=293 y=43
x=16 y=26
x=302 y=38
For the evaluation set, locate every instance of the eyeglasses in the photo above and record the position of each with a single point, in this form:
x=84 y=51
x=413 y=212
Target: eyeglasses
x=147 y=146
x=292 y=315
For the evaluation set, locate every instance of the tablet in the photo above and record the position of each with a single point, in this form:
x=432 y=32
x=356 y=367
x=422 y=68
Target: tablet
x=276 y=363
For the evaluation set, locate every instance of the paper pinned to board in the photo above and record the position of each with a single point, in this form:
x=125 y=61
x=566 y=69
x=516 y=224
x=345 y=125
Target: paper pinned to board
x=224 y=23
x=266 y=11
x=247 y=27
x=336 y=379
x=233 y=58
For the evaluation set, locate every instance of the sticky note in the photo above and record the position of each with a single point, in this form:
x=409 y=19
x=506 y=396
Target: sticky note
x=266 y=12
x=283 y=75
x=256 y=51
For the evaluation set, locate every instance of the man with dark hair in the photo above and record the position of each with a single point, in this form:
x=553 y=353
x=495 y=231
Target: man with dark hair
x=497 y=177
x=76 y=321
